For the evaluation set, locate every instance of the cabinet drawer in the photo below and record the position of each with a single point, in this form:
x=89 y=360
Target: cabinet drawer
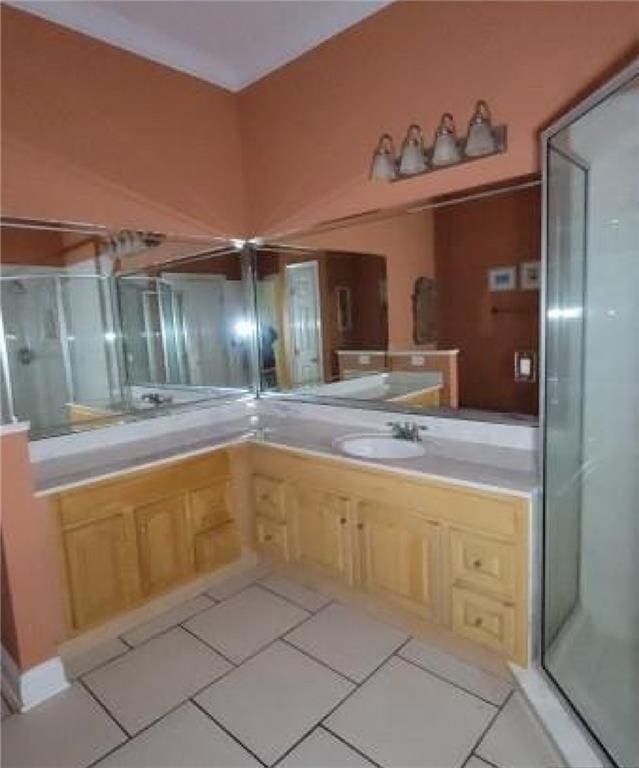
x=268 y=496
x=216 y=547
x=483 y=562
x=273 y=537
x=208 y=507
x=484 y=620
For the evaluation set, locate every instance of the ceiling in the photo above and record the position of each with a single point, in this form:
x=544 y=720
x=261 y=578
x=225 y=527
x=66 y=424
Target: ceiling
x=230 y=43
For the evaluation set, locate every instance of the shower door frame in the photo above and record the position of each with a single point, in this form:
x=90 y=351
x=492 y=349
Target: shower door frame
x=597 y=97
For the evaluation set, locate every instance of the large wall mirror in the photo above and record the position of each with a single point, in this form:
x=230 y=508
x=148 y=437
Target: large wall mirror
x=93 y=333
x=430 y=309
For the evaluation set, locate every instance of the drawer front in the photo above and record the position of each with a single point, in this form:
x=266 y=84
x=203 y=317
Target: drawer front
x=208 y=507
x=216 y=547
x=484 y=620
x=273 y=538
x=483 y=563
x=268 y=497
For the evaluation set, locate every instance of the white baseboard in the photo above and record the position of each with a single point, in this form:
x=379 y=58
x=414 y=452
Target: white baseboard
x=25 y=690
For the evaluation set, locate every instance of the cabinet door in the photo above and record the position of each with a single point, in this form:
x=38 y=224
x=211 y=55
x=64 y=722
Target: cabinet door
x=323 y=529
x=399 y=556
x=209 y=507
x=269 y=497
x=216 y=547
x=272 y=538
x=163 y=543
x=101 y=562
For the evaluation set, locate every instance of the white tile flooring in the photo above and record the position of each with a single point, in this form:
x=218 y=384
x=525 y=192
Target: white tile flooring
x=261 y=671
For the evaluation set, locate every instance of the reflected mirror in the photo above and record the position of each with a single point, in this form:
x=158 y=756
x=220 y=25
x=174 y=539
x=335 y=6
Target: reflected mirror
x=433 y=308
x=91 y=333
x=187 y=324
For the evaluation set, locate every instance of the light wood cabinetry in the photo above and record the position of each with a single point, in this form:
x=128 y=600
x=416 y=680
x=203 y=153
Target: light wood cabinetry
x=322 y=530
x=165 y=556
x=399 y=556
x=128 y=539
x=447 y=553
x=101 y=566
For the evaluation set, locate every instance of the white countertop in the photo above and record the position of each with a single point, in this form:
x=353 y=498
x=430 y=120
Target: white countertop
x=476 y=464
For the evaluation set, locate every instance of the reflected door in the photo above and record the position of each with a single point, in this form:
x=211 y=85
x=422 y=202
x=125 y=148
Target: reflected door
x=304 y=323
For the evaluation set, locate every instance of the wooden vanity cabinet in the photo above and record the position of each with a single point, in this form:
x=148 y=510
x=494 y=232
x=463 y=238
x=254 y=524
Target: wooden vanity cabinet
x=399 y=554
x=102 y=573
x=322 y=529
x=447 y=553
x=130 y=538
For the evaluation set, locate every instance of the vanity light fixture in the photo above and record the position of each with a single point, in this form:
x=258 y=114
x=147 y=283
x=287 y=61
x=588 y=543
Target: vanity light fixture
x=384 y=165
x=413 y=157
x=446 y=149
x=480 y=139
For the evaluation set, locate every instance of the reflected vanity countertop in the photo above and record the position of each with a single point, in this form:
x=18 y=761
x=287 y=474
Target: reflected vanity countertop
x=479 y=465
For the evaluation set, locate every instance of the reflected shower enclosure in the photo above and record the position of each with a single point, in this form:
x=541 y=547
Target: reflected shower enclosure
x=59 y=346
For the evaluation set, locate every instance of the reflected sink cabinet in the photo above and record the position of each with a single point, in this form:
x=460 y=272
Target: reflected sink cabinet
x=444 y=553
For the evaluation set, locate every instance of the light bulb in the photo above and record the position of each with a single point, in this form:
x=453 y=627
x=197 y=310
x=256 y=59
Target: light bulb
x=481 y=139
x=446 y=150
x=412 y=156
x=384 y=165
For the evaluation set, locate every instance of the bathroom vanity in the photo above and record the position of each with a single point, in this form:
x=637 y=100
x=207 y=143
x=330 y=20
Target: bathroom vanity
x=442 y=537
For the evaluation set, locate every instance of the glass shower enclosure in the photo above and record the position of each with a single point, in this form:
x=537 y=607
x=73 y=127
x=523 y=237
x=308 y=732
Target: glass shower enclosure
x=590 y=611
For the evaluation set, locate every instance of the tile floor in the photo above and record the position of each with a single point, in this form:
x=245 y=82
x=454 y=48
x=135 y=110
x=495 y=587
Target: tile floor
x=261 y=671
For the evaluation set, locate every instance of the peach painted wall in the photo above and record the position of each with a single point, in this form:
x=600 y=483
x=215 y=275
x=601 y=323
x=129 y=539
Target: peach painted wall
x=32 y=604
x=94 y=134
x=407 y=243
x=309 y=128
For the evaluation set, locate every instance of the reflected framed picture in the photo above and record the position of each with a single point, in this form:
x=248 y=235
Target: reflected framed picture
x=502 y=279
x=344 y=309
x=529 y=275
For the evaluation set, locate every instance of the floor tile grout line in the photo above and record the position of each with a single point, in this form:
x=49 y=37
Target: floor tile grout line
x=208 y=645
x=335 y=735
x=486 y=729
x=228 y=732
x=356 y=687
x=157 y=719
x=483 y=759
x=167 y=629
x=239 y=664
x=101 y=664
x=365 y=680
x=318 y=661
x=104 y=707
x=292 y=602
x=444 y=679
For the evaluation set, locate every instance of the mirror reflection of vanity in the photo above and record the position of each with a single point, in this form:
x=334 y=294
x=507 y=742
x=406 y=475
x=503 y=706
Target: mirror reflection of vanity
x=427 y=310
x=432 y=308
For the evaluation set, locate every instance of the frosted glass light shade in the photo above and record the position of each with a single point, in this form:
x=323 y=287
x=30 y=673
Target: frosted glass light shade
x=481 y=139
x=446 y=150
x=384 y=165
x=412 y=158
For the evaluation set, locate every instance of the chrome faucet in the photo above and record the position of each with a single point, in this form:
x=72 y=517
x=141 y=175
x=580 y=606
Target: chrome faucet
x=407 y=430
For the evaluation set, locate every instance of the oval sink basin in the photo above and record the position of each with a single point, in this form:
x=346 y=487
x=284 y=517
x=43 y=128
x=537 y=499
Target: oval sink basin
x=378 y=447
